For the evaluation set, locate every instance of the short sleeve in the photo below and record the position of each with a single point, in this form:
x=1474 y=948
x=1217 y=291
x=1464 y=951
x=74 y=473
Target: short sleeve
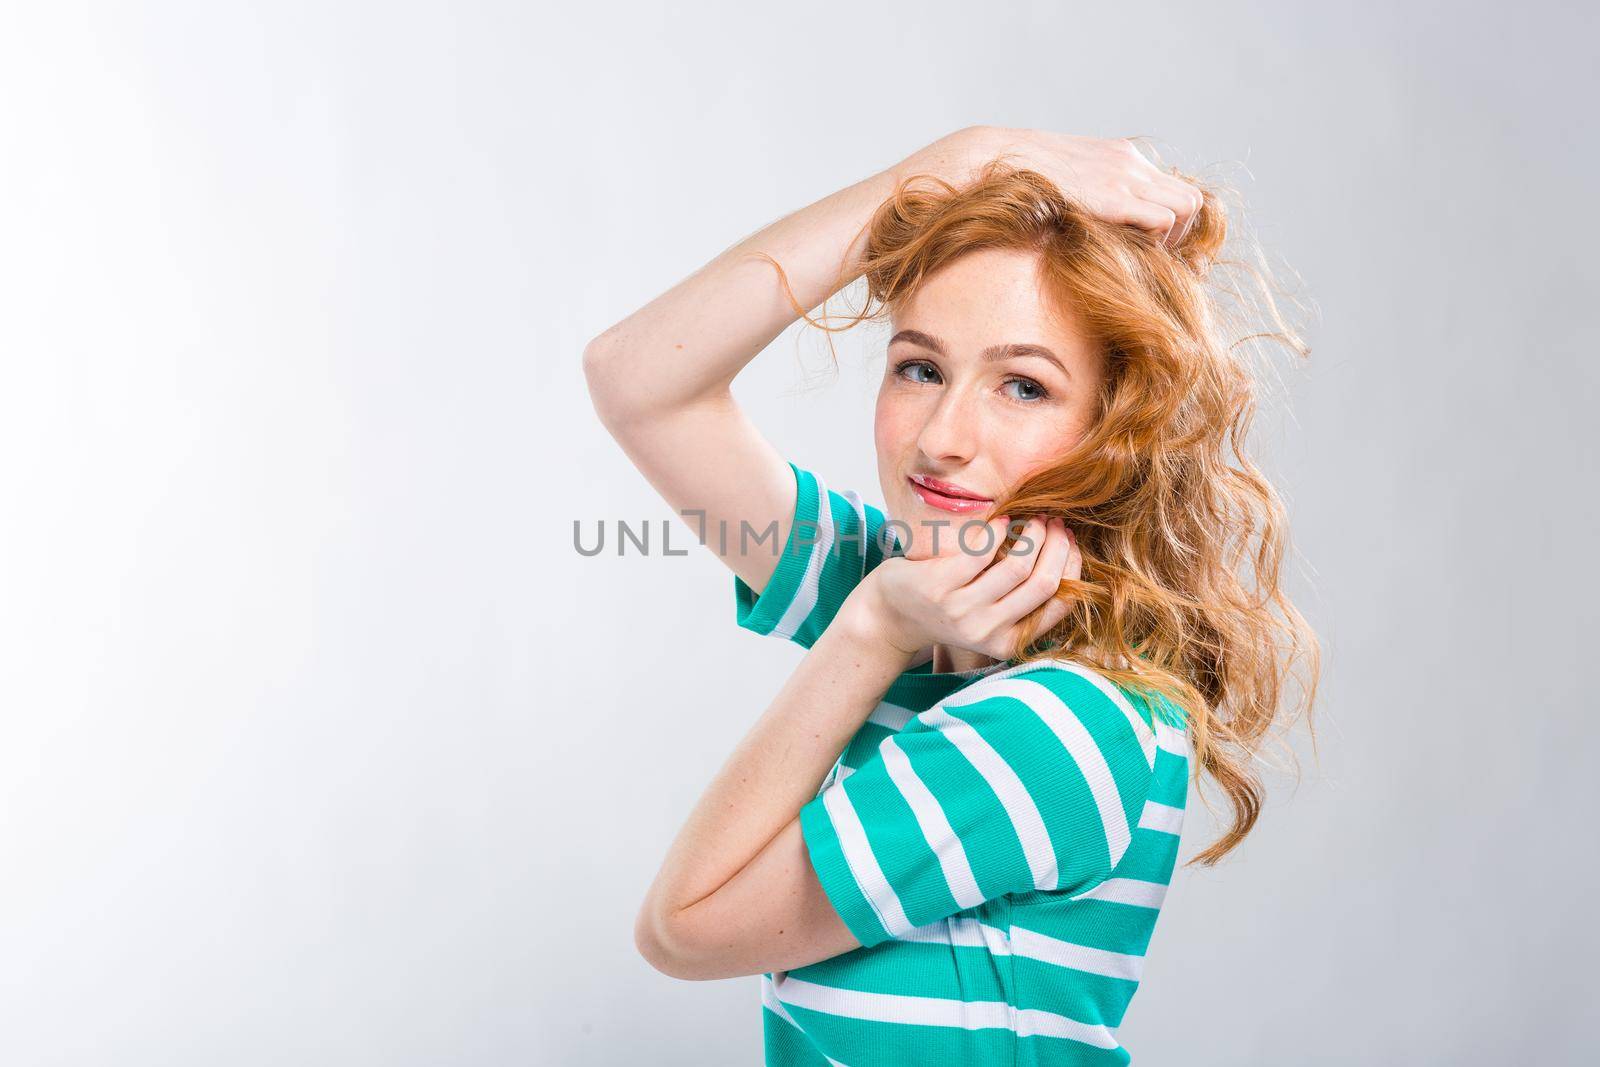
x=834 y=541
x=1023 y=781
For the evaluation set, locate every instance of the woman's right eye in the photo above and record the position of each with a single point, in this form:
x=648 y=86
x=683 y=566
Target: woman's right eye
x=913 y=365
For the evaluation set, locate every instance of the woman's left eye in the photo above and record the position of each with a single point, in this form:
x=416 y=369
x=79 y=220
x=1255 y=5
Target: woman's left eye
x=914 y=365
x=1038 y=391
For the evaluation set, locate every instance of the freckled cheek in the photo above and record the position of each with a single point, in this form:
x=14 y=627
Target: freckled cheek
x=1034 y=451
x=894 y=428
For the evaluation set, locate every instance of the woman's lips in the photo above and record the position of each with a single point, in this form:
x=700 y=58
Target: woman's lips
x=959 y=504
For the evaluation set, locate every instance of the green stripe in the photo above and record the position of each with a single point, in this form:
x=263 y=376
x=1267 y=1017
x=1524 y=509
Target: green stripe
x=1036 y=1051
x=864 y=1042
x=864 y=745
x=1171 y=784
x=1101 y=924
x=762 y=613
x=785 y=1045
x=912 y=968
x=1080 y=995
x=909 y=864
x=987 y=835
x=1151 y=857
x=1054 y=782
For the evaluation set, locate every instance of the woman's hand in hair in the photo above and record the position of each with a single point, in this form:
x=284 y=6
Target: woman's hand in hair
x=969 y=600
x=1107 y=175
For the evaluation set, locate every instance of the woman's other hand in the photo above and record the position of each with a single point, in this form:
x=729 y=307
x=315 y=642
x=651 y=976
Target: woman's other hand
x=1108 y=176
x=970 y=600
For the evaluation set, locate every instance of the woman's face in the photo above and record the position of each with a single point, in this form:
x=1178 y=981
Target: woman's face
x=982 y=386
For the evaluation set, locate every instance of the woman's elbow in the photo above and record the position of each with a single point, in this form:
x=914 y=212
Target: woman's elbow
x=655 y=941
x=603 y=382
x=663 y=947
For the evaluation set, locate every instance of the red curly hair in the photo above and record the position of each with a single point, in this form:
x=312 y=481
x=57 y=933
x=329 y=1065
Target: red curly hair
x=1183 y=539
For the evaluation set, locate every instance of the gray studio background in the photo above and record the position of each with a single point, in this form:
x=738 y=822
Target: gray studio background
x=321 y=744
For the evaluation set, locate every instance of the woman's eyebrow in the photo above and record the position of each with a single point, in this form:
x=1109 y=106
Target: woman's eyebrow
x=988 y=355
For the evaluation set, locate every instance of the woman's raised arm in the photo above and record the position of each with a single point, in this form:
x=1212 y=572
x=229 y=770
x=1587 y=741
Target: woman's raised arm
x=660 y=378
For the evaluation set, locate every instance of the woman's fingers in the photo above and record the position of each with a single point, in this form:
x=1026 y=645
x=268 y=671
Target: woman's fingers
x=1050 y=564
x=1147 y=215
x=1154 y=199
x=1018 y=583
x=997 y=577
x=1056 y=608
x=975 y=549
x=1049 y=619
x=1177 y=196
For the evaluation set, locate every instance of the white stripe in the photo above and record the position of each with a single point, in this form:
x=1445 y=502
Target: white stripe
x=938 y=1011
x=829 y=778
x=863 y=864
x=961 y=931
x=1038 y=946
x=1163 y=817
x=1172 y=739
x=1032 y=1022
x=892 y=716
x=1127 y=891
x=966 y=932
x=1014 y=796
x=769 y=998
x=1079 y=743
x=893 y=1007
x=805 y=598
x=1141 y=729
x=936 y=829
x=861 y=525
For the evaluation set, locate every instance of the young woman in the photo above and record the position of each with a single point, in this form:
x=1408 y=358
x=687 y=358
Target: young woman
x=949 y=837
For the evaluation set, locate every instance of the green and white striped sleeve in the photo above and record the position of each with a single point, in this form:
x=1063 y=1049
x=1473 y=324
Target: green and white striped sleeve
x=834 y=541
x=1019 y=782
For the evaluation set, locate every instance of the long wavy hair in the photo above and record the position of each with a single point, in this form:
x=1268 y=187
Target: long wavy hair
x=1183 y=539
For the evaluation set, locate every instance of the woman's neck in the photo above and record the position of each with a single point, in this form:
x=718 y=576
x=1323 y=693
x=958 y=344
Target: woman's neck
x=947 y=658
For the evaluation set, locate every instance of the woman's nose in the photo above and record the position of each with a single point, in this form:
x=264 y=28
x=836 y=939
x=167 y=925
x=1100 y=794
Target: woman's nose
x=951 y=431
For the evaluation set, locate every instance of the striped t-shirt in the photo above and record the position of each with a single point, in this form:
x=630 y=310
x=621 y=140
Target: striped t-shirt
x=999 y=840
